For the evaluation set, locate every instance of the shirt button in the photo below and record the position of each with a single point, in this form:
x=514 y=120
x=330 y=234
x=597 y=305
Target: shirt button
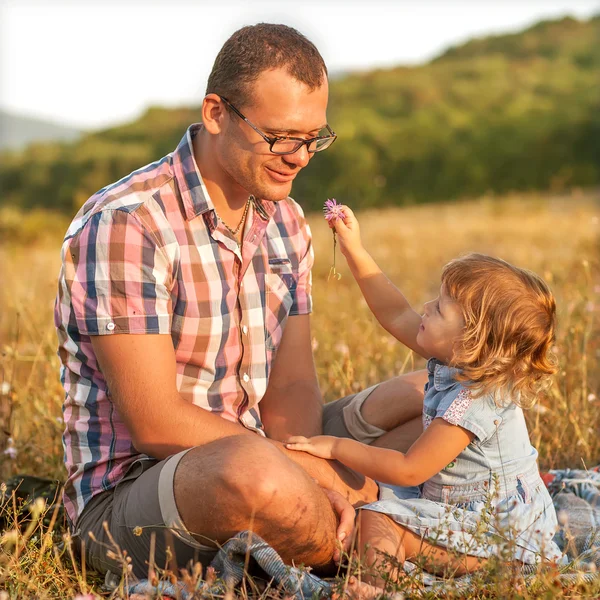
x=246 y=377
x=244 y=329
x=110 y=326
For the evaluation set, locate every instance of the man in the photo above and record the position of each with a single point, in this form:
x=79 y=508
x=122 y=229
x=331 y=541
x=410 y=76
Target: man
x=180 y=285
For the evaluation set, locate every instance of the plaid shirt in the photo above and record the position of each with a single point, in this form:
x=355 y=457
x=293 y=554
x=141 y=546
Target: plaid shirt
x=149 y=255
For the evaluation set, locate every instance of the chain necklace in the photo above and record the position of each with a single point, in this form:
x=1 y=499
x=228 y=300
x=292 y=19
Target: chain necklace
x=235 y=231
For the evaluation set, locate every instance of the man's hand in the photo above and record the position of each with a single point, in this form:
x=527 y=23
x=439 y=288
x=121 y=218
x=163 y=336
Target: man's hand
x=322 y=446
x=346 y=514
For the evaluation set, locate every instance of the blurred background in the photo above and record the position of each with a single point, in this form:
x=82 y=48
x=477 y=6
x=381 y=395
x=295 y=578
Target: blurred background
x=463 y=126
x=431 y=100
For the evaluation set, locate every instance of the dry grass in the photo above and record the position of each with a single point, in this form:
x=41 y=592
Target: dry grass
x=556 y=237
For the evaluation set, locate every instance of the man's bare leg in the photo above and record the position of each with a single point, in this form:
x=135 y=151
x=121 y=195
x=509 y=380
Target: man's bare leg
x=396 y=406
x=402 y=437
x=395 y=401
x=244 y=482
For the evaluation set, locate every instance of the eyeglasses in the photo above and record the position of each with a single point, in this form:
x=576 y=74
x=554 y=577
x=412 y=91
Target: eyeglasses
x=288 y=145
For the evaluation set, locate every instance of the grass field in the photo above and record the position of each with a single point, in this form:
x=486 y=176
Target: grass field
x=558 y=237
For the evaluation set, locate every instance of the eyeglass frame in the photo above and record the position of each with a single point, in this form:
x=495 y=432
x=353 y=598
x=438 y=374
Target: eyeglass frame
x=273 y=140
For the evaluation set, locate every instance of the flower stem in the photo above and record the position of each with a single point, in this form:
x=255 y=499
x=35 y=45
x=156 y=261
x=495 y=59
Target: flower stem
x=332 y=271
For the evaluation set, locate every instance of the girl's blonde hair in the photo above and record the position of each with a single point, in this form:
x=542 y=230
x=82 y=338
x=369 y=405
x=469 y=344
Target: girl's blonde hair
x=510 y=319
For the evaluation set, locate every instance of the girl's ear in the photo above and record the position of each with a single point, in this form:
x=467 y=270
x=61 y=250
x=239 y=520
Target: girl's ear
x=213 y=113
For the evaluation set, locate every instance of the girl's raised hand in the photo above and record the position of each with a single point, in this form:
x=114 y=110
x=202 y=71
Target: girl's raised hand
x=321 y=445
x=347 y=230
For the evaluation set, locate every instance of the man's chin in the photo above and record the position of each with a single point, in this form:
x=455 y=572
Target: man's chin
x=275 y=195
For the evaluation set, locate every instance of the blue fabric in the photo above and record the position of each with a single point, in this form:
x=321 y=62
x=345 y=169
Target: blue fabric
x=230 y=564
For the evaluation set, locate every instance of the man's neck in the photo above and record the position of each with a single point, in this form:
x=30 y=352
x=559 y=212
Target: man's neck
x=227 y=197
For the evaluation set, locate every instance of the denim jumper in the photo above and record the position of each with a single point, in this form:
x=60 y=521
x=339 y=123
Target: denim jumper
x=491 y=499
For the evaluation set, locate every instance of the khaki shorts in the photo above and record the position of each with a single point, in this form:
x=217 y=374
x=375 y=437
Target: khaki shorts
x=143 y=503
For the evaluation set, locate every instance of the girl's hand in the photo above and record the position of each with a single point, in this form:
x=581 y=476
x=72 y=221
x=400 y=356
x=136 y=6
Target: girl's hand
x=322 y=446
x=348 y=231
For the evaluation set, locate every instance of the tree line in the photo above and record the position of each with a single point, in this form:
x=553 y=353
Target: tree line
x=504 y=113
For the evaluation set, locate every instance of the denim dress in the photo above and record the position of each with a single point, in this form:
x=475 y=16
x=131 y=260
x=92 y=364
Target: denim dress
x=490 y=500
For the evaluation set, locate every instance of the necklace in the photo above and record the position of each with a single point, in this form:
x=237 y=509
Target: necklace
x=235 y=231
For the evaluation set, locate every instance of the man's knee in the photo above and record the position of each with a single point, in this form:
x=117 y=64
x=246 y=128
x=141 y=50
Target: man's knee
x=245 y=470
x=249 y=483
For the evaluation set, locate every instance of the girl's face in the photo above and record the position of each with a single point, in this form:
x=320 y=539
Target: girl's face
x=441 y=325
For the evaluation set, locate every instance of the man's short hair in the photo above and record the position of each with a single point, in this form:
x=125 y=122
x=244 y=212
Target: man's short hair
x=257 y=48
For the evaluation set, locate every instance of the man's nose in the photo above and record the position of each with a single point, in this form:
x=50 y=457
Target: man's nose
x=300 y=158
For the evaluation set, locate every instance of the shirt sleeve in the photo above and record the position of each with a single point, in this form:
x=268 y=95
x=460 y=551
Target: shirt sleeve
x=119 y=277
x=473 y=414
x=302 y=297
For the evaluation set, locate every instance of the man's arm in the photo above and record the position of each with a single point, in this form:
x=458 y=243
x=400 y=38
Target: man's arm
x=140 y=371
x=292 y=404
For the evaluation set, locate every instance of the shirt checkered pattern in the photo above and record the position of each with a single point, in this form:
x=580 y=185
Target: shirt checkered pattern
x=149 y=255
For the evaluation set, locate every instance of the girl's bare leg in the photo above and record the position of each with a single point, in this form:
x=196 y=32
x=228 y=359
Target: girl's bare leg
x=380 y=536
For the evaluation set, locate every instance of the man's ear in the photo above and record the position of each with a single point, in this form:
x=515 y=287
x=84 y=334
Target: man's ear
x=213 y=113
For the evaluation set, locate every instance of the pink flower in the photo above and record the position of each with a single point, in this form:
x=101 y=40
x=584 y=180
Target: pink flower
x=333 y=211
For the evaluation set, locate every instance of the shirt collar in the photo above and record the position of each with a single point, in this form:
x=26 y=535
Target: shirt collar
x=441 y=376
x=194 y=194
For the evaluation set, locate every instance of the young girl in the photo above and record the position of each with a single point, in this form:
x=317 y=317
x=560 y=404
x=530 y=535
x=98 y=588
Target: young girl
x=487 y=337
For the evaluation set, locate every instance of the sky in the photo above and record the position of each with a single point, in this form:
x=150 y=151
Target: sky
x=90 y=63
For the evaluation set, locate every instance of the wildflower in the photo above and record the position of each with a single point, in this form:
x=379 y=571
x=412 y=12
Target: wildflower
x=5 y=388
x=333 y=211
x=85 y=597
x=10 y=450
x=342 y=349
x=591 y=397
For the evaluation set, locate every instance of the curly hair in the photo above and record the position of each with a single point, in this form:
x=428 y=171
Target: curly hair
x=257 y=48
x=510 y=321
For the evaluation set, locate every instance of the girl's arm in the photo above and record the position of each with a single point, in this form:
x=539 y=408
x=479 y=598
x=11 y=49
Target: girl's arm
x=385 y=300
x=437 y=447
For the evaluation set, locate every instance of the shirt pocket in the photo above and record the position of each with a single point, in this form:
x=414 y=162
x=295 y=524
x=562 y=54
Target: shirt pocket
x=279 y=297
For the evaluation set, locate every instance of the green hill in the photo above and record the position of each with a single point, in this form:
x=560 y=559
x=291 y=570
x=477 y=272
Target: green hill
x=502 y=113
